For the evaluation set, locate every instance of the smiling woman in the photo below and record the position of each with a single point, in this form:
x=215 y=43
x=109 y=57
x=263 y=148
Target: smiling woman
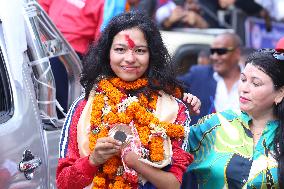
x=129 y=59
x=131 y=91
x=256 y=90
x=244 y=149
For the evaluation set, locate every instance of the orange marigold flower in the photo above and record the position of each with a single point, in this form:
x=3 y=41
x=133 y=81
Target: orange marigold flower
x=103 y=132
x=111 y=165
x=118 y=184
x=111 y=118
x=92 y=141
x=173 y=130
x=99 y=181
x=143 y=100
x=124 y=118
x=117 y=82
x=156 y=149
x=144 y=133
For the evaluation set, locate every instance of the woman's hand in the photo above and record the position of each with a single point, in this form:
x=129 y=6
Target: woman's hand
x=130 y=159
x=193 y=102
x=158 y=177
x=176 y=15
x=105 y=148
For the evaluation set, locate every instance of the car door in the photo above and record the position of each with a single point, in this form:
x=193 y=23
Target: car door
x=23 y=149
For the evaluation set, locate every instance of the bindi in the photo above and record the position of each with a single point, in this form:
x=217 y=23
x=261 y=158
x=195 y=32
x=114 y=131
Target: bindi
x=130 y=42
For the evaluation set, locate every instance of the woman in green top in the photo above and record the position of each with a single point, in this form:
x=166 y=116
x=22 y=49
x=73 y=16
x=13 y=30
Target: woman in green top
x=244 y=148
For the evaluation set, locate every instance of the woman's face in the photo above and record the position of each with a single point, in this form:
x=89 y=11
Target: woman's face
x=129 y=54
x=257 y=93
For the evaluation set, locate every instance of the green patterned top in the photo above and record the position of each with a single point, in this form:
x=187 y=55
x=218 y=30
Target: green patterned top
x=225 y=156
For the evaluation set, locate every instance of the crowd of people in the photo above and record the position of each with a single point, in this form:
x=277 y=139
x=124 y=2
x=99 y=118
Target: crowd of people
x=81 y=21
x=139 y=125
x=132 y=129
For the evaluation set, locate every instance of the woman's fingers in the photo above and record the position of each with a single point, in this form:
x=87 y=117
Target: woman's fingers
x=187 y=97
x=108 y=142
x=105 y=148
x=193 y=102
x=107 y=153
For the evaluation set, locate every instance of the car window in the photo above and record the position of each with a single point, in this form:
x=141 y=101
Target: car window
x=186 y=56
x=6 y=109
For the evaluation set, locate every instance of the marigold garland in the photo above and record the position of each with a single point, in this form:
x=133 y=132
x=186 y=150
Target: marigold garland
x=139 y=83
x=156 y=146
x=109 y=94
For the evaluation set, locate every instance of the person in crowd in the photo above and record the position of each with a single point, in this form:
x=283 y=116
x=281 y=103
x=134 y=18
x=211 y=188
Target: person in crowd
x=274 y=7
x=243 y=148
x=252 y=8
x=81 y=21
x=203 y=57
x=161 y=2
x=216 y=84
x=128 y=129
x=147 y=6
x=172 y=15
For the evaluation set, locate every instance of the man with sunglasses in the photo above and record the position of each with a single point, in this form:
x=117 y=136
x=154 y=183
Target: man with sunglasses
x=216 y=84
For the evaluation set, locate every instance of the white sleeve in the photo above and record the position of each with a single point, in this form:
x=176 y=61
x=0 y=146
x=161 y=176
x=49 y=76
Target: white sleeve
x=164 y=12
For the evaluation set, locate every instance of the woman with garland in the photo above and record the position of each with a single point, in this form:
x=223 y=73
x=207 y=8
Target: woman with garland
x=244 y=149
x=128 y=130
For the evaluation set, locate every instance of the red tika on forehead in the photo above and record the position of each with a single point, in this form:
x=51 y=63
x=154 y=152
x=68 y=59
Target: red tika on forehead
x=130 y=42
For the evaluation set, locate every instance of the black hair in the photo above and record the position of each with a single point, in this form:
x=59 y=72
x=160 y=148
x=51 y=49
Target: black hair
x=274 y=68
x=96 y=63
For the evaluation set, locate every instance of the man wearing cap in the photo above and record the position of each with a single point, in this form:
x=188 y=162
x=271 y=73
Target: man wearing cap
x=216 y=84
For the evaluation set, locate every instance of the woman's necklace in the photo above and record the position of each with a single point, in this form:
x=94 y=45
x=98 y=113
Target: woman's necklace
x=256 y=134
x=254 y=131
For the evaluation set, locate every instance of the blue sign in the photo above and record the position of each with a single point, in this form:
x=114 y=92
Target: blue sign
x=256 y=35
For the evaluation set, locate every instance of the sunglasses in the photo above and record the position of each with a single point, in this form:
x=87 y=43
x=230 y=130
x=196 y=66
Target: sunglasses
x=277 y=54
x=221 y=51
